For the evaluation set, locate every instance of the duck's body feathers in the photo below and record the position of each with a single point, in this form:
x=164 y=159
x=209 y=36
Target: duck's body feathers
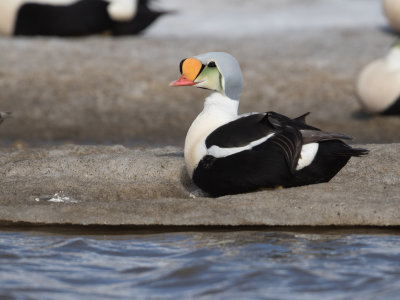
x=275 y=161
x=288 y=134
x=393 y=109
x=230 y=154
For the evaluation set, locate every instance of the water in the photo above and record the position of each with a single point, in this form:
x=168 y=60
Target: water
x=102 y=263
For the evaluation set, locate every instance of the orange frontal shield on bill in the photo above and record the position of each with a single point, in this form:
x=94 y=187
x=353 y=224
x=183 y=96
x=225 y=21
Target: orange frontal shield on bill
x=191 y=68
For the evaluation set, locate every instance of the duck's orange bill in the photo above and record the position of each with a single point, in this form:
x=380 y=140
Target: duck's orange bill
x=182 y=81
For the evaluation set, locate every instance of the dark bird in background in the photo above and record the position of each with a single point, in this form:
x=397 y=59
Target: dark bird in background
x=4 y=115
x=75 y=17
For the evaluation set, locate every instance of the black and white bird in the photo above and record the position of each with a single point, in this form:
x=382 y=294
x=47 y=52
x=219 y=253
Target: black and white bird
x=378 y=84
x=226 y=153
x=74 y=17
x=4 y=115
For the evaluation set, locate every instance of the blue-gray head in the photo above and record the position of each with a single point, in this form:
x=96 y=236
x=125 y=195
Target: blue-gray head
x=216 y=71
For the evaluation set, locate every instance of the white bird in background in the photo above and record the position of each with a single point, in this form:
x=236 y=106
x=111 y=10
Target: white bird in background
x=378 y=84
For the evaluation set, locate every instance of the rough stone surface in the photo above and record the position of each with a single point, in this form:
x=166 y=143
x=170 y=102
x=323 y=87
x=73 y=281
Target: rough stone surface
x=114 y=185
x=101 y=90
x=296 y=56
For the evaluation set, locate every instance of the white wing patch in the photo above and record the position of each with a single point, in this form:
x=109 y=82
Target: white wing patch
x=250 y=114
x=121 y=10
x=307 y=155
x=218 y=152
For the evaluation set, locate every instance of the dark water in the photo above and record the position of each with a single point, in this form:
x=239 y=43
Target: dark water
x=258 y=264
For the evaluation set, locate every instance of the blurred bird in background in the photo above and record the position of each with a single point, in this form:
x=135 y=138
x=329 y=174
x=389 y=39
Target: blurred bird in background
x=75 y=17
x=4 y=115
x=378 y=84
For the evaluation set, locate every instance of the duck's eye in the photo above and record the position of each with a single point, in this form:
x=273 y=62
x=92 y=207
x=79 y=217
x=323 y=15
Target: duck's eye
x=211 y=64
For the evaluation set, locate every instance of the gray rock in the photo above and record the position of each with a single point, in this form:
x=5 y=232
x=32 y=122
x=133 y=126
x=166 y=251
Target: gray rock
x=114 y=185
x=63 y=90
x=102 y=90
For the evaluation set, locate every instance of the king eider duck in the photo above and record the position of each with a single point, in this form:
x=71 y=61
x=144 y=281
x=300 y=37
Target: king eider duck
x=74 y=17
x=226 y=153
x=378 y=84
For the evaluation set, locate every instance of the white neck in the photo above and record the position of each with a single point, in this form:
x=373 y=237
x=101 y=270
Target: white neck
x=218 y=110
x=218 y=103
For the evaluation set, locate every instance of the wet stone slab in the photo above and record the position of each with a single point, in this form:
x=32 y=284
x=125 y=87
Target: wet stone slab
x=114 y=185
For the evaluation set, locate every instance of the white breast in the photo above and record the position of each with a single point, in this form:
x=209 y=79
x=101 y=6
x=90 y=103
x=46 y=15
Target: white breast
x=218 y=110
x=8 y=14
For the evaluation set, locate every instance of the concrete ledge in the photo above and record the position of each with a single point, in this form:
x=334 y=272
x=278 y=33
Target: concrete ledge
x=115 y=185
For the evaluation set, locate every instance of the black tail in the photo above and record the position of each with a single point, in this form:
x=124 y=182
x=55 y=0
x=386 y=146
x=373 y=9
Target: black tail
x=144 y=17
x=332 y=156
x=359 y=152
x=346 y=150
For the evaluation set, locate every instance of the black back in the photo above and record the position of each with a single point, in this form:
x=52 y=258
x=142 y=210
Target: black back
x=249 y=128
x=394 y=109
x=272 y=163
x=144 y=17
x=264 y=166
x=84 y=17
x=239 y=132
x=81 y=18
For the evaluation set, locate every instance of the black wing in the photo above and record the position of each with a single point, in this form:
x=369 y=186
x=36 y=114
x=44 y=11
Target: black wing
x=288 y=137
x=143 y=18
x=75 y=19
x=245 y=130
x=240 y=132
x=289 y=134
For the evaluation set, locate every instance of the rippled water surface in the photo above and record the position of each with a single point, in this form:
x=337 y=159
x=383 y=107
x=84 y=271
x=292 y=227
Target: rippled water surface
x=281 y=264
